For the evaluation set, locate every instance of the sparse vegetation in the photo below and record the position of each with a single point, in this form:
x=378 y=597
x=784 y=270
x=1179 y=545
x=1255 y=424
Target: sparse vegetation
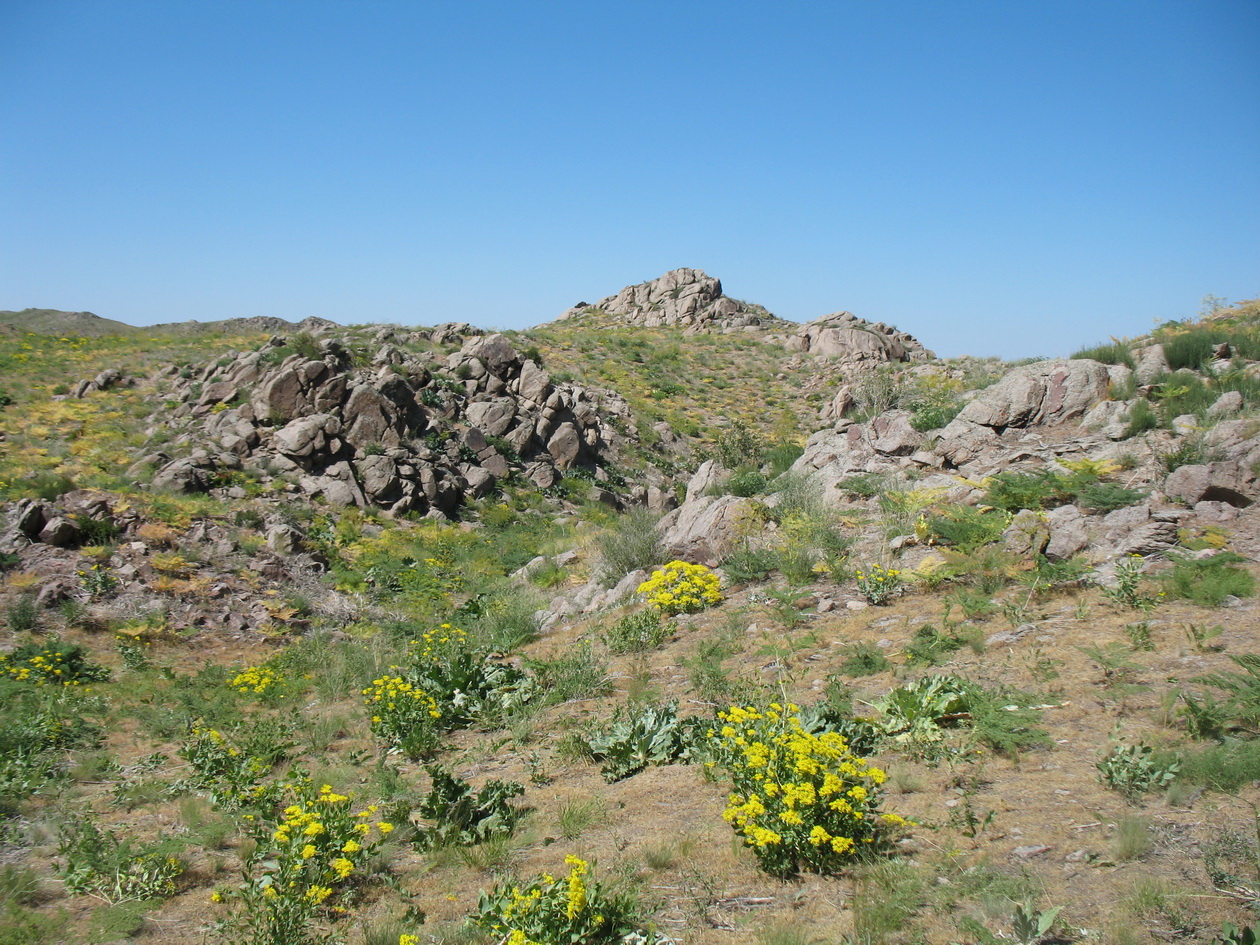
x=174 y=674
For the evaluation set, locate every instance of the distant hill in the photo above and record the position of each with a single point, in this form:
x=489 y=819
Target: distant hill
x=49 y=321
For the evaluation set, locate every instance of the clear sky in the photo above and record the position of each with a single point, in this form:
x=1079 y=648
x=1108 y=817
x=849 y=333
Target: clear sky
x=1019 y=177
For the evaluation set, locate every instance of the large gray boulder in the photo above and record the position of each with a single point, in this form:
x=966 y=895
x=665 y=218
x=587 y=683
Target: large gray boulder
x=1039 y=394
x=1215 y=482
x=706 y=529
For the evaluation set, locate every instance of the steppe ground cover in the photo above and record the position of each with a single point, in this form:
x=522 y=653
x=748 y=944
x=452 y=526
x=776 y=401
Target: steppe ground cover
x=1089 y=779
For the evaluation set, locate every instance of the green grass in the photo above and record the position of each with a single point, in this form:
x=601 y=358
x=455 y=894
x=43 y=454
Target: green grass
x=1115 y=352
x=1209 y=581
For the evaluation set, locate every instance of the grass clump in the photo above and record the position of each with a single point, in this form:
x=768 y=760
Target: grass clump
x=1115 y=352
x=1209 y=581
x=630 y=545
x=637 y=632
x=865 y=659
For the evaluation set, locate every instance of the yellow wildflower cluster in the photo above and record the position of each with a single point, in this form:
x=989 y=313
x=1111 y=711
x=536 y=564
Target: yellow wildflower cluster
x=802 y=800
x=56 y=665
x=399 y=708
x=255 y=679
x=436 y=644
x=879 y=584
x=681 y=588
x=571 y=909
x=304 y=855
x=41 y=669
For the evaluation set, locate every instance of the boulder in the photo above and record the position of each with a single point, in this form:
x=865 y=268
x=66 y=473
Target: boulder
x=535 y=383
x=709 y=475
x=494 y=351
x=379 y=476
x=1042 y=393
x=845 y=336
x=891 y=434
x=1215 y=482
x=306 y=436
x=686 y=298
x=706 y=529
x=564 y=445
x=492 y=417
x=183 y=475
x=1150 y=363
x=1027 y=535
x=60 y=531
x=1067 y=533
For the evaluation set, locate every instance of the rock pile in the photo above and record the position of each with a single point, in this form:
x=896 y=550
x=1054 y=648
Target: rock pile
x=683 y=298
x=401 y=432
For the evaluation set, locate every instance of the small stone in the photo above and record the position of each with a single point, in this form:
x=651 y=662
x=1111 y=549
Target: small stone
x=857 y=605
x=1027 y=852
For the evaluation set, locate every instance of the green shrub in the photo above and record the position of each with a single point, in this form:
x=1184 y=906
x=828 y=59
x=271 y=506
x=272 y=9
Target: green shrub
x=1240 y=708
x=930 y=646
x=863 y=485
x=578 y=675
x=1107 y=497
x=1014 y=491
x=96 y=861
x=967 y=528
x=747 y=563
x=933 y=416
x=1134 y=770
x=1228 y=766
x=744 y=482
x=865 y=659
x=650 y=735
x=1191 y=451
x=1208 y=581
x=1142 y=417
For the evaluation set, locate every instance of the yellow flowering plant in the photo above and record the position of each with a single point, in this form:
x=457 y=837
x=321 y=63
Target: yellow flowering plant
x=446 y=682
x=52 y=663
x=681 y=588
x=878 y=584
x=264 y=682
x=559 y=911
x=304 y=853
x=801 y=800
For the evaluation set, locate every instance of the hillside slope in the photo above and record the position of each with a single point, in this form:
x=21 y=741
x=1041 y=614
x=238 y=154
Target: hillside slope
x=261 y=578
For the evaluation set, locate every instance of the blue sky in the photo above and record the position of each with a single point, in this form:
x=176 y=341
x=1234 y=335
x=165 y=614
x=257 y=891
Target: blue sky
x=1013 y=178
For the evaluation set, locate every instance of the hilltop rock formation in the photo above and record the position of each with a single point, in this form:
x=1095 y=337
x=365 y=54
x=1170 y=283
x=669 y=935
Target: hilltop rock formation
x=400 y=432
x=684 y=298
x=845 y=336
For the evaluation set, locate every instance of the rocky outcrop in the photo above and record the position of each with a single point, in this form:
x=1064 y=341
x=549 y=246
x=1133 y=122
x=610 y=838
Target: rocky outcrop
x=1034 y=395
x=401 y=432
x=1039 y=394
x=682 y=298
x=844 y=336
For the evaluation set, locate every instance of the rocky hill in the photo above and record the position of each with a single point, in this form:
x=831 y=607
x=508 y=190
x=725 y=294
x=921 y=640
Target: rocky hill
x=504 y=594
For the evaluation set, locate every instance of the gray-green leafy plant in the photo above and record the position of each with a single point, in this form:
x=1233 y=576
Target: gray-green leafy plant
x=1133 y=770
x=455 y=814
x=652 y=735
